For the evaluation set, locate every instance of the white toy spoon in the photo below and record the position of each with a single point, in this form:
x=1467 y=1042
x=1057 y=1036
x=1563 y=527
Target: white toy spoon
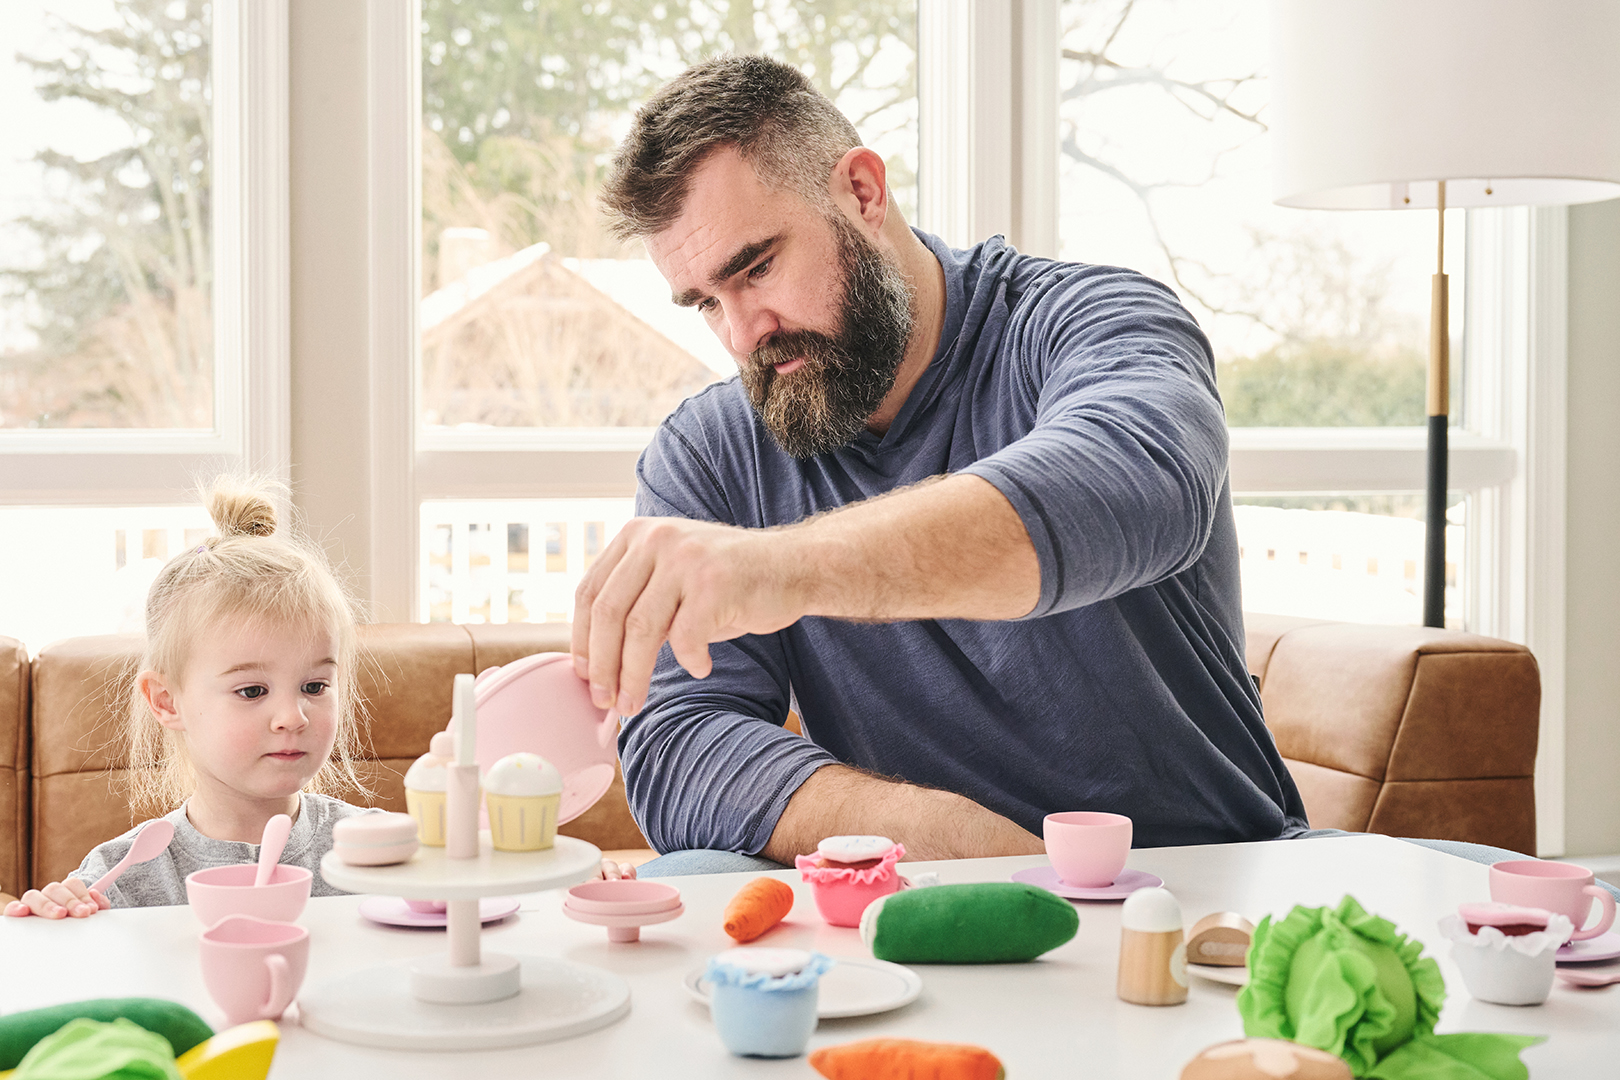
x=276 y=831
x=149 y=843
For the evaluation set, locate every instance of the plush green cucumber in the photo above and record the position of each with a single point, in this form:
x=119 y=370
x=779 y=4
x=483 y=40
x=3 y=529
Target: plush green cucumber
x=176 y=1023
x=999 y=922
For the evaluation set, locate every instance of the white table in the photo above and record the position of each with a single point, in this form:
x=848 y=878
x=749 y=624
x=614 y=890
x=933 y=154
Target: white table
x=1059 y=1013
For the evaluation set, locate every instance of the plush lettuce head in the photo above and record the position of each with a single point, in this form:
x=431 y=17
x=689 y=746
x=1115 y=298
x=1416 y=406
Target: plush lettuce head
x=1347 y=982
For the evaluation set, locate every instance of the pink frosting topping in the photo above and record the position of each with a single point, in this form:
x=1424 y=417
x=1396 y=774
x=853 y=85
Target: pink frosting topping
x=828 y=875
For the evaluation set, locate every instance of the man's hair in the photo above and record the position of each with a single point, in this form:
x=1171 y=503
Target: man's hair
x=780 y=124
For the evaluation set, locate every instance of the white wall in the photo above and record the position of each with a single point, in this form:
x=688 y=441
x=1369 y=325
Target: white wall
x=1592 y=717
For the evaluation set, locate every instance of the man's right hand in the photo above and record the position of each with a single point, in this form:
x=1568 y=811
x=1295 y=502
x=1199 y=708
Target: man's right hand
x=687 y=582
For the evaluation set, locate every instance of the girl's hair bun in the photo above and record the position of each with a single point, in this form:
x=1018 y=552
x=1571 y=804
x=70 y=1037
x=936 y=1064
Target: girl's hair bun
x=242 y=508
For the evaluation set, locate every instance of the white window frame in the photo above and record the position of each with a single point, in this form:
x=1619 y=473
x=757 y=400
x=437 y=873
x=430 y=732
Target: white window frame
x=119 y=467
x=987 y=85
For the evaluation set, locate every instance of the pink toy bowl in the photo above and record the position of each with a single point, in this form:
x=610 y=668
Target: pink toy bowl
x=624 y=907
x=842 y=893
x=252 y=967
x=229 y=890
x=538 y=705
x=1088 y=849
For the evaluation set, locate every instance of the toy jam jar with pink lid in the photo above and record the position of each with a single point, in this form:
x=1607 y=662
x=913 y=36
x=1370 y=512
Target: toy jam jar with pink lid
x=849 y=872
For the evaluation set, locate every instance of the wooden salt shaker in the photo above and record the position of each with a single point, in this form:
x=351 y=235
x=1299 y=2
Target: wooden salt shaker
x=1152 y=952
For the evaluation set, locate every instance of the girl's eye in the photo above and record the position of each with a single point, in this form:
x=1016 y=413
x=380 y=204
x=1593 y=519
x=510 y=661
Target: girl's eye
x=315 y=689
x=253 y=693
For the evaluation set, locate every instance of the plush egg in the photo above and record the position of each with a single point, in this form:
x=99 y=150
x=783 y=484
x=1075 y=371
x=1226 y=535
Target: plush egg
x=1265 y=1059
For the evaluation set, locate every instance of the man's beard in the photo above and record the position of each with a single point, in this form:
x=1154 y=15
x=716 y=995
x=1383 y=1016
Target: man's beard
x=826 y=402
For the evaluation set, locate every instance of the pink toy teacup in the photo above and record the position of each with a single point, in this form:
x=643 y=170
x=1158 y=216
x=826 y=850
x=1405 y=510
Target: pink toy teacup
x=229 y=890
x=253 y=967
x=1087 y=848
x=1553 y=886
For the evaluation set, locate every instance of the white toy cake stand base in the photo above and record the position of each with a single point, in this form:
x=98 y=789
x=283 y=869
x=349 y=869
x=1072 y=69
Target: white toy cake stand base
x=466 y=1000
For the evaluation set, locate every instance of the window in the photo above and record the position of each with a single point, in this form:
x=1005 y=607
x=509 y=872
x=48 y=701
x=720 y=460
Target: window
x=142 y=291
x=1319 y=320
x=548 y=350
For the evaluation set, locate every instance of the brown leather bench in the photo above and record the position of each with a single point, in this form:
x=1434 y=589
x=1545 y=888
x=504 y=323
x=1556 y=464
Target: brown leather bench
x=1397 y=730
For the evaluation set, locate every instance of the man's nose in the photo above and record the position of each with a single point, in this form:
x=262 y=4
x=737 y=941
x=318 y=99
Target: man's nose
x=746 y=327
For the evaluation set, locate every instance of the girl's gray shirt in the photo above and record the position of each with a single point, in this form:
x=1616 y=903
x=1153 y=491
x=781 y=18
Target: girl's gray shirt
x=162 y=880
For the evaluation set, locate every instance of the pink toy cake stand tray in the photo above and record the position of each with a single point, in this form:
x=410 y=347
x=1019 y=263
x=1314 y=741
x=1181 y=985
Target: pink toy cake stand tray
x=465 y=999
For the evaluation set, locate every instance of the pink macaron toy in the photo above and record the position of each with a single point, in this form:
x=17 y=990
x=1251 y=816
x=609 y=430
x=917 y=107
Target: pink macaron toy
x=375 y=839
x=849 y=872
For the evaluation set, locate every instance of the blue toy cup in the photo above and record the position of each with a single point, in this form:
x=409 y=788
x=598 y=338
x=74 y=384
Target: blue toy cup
x=764 y=1016
x=753 y=1022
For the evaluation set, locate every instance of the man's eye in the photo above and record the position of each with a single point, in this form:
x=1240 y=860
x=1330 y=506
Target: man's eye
x=760 y=270
x=707 y=304
x=253 y=693
x=316 y=689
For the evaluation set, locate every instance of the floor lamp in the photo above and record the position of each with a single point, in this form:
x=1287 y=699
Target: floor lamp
x=1396 y=104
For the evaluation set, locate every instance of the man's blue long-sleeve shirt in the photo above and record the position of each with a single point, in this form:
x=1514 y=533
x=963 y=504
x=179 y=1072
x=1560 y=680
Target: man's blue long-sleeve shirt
x=1086 y=395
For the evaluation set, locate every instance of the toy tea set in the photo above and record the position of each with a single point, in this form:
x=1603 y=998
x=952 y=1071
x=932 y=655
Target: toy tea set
x=1328 y=993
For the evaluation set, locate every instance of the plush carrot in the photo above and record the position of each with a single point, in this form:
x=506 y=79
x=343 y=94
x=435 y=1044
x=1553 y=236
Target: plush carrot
x=757 y=907
x=906 y=1059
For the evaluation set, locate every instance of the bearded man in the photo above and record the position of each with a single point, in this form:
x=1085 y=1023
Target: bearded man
x=965 y=511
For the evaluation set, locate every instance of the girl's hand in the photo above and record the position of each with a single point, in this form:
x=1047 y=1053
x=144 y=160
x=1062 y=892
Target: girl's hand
x=60 y=900
x=616 y=871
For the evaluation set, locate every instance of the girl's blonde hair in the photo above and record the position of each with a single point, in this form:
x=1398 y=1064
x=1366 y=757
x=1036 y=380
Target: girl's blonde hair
x=249 y=570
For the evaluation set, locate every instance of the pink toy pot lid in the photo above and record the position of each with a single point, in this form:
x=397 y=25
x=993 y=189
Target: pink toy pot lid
x=624 y=897
x=539 y=706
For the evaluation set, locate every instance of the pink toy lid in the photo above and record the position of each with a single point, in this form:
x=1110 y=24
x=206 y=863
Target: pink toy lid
x=1491 y=913
x=538 y=705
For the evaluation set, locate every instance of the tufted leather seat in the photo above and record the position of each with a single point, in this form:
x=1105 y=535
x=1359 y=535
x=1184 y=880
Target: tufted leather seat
x=1397 y=730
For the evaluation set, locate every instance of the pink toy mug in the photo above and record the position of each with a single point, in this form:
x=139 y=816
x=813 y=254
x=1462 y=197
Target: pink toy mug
x=1559 y=887
x=1087 y=848
x=253 y=967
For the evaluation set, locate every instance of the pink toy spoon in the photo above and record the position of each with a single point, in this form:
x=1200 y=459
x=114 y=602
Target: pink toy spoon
x=1575 y=977
x=276 y=831
x=149 y=843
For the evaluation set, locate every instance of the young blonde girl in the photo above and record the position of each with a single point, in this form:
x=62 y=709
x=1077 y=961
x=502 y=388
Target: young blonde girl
x=243 y=708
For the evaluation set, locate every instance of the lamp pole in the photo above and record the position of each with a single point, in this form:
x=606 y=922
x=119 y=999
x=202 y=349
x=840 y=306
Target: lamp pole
x=1434 y=533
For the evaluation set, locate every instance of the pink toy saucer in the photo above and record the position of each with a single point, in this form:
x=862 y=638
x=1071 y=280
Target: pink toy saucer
x=1127 y=882
x=537 y=704
x=393 y=911
x=624 y=907
x=1603 y=947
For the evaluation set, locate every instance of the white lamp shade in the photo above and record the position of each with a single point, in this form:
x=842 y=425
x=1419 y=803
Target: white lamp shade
x=1511 y=102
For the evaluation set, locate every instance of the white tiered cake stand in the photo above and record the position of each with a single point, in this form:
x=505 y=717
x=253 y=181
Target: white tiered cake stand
x=464 y=999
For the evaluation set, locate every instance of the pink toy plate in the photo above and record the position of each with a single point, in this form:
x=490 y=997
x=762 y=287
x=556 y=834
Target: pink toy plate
x=1128 y=882
x=1603 y=947
x=537 y=704
x=392 y=911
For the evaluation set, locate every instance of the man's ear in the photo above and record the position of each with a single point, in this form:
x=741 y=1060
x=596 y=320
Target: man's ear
x=160 y=699
x=859 y=186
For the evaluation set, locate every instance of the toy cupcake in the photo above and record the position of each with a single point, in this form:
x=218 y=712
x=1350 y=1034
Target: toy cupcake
x=1507 y=954
x=522 y=792
x=764 y=1001
x=426 y=782
x=849 y=872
